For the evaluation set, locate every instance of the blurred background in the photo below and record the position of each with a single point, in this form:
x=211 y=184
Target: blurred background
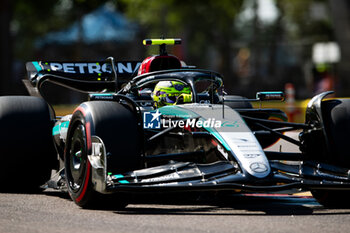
x=256 y=44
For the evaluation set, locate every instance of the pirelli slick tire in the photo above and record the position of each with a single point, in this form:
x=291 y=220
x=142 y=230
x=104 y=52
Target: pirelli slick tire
x=117 y=127
x=237 y=105
x=336 y=117
x=332 y=198
x=26 y=145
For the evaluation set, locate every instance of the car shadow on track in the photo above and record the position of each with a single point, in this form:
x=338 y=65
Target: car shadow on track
x=189 y=204
x=233 y=205
x=57 y=193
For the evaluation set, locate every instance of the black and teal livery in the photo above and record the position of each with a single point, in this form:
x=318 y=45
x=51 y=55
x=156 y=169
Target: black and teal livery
x=218 y=142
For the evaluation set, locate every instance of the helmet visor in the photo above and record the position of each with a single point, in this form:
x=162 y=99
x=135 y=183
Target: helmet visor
x=170 y=99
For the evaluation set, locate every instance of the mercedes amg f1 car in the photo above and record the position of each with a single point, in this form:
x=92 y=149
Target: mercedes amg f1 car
x=120 y=142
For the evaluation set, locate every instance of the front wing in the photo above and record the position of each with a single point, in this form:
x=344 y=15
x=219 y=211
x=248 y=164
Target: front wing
x=223 y=175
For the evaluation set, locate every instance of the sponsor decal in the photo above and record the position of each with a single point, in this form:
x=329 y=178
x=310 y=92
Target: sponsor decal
x=122 y=68
x=230 y=124
x=209 y=123
x=251 y=156
x=102 y=96
x=258 y=167
x=81 y=68
x=91 y=68
x=162 y=178
x=151 y=120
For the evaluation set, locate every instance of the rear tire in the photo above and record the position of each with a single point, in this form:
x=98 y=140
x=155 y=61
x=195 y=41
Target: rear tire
x=27 y=150
x=117 y=127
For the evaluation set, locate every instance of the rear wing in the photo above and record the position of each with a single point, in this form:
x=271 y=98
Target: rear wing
x=82 y=76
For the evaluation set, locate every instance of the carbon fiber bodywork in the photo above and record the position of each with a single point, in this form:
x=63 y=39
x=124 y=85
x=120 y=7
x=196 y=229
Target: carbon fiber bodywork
x=226 y=154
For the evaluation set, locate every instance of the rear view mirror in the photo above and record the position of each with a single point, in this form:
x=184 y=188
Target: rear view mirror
x=270 y=95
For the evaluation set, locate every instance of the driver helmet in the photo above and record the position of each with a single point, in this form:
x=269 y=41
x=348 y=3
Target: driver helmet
x=171 y=93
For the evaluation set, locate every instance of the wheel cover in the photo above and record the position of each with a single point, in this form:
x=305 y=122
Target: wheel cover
x=77 y=159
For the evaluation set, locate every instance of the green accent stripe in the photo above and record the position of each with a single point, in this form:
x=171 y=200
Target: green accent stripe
x=217 y=135
x=57 y=129
x=123 y=182
x=37 y=66
x=105 y=94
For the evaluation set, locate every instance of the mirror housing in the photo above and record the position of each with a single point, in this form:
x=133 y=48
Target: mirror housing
x=270 y=95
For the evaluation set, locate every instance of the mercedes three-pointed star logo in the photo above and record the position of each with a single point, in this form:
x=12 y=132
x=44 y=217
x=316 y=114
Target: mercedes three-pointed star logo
x=258 y=167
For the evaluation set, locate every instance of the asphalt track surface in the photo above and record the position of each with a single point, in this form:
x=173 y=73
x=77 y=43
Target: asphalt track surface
x=53 y=211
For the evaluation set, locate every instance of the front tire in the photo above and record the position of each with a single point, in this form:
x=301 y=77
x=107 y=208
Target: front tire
x=117 y=127
x=336 y=115
x=332 y=198
x=78 y=167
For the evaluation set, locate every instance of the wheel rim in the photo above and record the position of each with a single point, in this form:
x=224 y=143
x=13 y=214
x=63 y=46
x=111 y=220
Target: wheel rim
x=77 y=158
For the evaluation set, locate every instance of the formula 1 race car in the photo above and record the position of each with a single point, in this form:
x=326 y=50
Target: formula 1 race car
x=159 y=126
